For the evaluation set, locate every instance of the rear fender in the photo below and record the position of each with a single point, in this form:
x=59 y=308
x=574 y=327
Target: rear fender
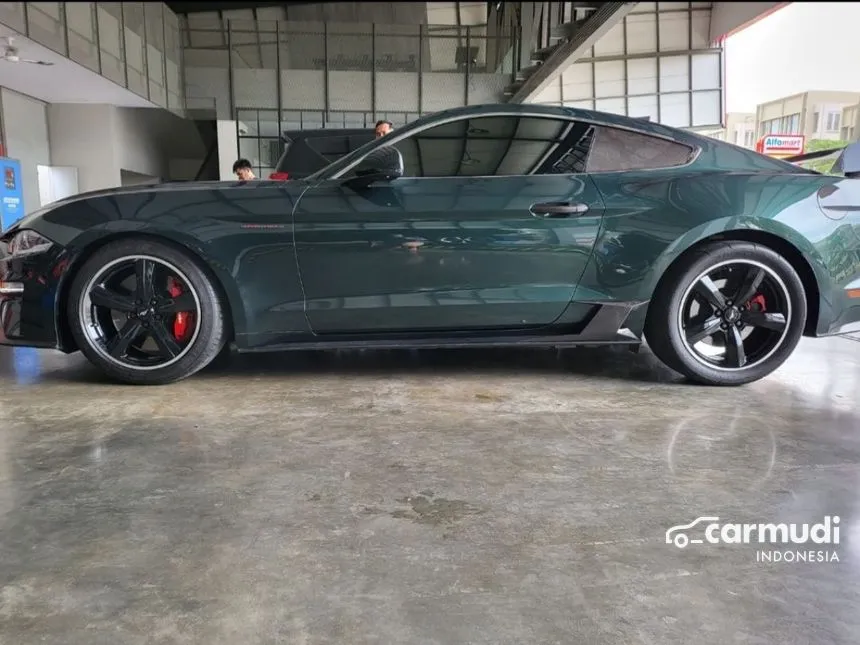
x=758 y=230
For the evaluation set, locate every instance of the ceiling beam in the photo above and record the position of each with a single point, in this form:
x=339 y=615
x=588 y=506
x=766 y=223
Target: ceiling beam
x=202 y=7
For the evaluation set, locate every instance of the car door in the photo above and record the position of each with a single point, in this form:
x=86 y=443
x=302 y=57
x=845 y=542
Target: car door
x=489 y=228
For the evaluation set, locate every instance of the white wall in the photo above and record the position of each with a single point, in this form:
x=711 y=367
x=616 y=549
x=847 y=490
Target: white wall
x=83 y=136
x=102 y=140
x=228 y=149
x=184 y=169
x=137 y=143
x=25 y=124
x=57 y=182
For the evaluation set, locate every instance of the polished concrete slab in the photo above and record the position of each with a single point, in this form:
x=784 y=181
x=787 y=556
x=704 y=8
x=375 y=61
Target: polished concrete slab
x=432 y=497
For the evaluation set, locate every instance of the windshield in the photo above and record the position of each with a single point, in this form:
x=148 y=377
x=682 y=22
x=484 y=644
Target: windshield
x=358 y=153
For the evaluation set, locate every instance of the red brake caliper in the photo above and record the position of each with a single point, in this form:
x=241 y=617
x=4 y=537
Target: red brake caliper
x=757 y=299
x=182 y=322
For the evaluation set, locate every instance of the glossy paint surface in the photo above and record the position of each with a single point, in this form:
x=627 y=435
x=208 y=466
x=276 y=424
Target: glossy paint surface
x=435 y=255
x=443 y=253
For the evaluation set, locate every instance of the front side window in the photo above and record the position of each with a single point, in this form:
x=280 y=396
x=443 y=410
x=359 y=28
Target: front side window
x=497 y=146
x=614 y=149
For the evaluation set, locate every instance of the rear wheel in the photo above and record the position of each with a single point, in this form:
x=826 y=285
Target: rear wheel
x=145 y=313
x=729 y=314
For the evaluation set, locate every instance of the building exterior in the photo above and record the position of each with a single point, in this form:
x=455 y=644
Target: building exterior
x=740 y=129
x=851 y=123
x=813 y=114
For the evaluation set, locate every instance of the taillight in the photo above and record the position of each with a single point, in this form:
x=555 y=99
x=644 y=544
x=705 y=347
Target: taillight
x=280 y=176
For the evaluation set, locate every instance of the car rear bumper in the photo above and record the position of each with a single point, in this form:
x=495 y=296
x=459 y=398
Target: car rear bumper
x=28 y=290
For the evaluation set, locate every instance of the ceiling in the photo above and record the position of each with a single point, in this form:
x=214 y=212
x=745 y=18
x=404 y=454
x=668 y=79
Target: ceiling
x=202 y=7
x=63 y=82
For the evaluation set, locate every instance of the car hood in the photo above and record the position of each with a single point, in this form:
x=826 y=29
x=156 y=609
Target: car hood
x=143 y=189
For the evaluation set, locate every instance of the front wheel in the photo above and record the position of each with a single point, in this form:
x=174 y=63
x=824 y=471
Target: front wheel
x=729 y=314
x=145 y=313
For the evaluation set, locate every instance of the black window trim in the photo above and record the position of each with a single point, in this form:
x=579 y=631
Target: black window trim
x=396 y=136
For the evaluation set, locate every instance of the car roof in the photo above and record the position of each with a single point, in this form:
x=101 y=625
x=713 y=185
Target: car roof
x=638 y=124
x=641 y=124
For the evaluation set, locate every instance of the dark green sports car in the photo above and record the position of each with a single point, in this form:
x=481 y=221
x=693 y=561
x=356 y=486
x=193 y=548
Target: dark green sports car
x=484 y=226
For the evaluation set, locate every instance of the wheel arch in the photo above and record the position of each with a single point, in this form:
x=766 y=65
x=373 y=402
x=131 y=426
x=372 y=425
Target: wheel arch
x=775 y=242
x=234 y=313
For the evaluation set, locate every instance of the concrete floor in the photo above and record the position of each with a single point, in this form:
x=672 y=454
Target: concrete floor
x=447 y=497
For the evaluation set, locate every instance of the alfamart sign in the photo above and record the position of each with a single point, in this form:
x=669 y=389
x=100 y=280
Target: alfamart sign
x=780 y=542
x=781 y=145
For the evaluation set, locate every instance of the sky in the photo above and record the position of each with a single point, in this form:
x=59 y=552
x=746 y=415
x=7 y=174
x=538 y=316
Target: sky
x=804 y=46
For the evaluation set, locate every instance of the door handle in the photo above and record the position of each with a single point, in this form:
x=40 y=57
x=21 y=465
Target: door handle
x=558 y=209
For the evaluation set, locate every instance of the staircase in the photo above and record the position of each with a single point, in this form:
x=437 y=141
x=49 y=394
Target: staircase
x=557 y=36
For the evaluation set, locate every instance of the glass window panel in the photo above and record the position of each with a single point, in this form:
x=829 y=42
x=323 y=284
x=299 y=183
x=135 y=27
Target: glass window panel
x=270 y=151
x=247 y=122
x=45 y=23
x=135 y=54
x=497 y=146
x=109 y=29
x=110 y=42
x=154 y=26
x=268 y=125
x=249 y=148
x=615 y=149
x=81 y=17
x=13 y=16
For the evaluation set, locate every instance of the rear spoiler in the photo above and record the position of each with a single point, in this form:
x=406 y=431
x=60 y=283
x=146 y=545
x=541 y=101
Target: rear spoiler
x=818 y=154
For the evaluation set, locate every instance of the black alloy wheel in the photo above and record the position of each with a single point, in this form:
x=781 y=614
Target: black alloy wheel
x=727 y=313
x=735 y=315
x=146 y=313
x=141 y=312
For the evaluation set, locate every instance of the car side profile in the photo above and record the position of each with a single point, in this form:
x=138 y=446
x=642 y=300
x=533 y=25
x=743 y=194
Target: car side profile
x=494 y=225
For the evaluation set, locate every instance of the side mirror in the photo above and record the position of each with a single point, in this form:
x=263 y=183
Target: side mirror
x=383 y=164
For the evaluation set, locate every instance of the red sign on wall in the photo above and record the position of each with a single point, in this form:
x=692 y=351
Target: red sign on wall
x=781 y=145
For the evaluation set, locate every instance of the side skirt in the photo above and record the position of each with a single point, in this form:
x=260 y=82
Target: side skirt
x=604 y=327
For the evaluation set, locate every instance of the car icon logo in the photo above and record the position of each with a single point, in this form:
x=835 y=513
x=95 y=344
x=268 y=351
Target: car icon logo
x=677 y=534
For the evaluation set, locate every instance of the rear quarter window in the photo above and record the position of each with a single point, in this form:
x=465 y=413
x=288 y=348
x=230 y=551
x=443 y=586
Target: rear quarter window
x=613 y=149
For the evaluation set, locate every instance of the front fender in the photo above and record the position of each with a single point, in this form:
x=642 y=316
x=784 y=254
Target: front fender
x=78 y=248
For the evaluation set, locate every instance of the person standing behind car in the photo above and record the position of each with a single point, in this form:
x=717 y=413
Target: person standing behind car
x=243 y=170
x=383 y=128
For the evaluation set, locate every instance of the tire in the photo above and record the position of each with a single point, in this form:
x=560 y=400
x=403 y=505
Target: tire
x=773 y=320
x=96 y=328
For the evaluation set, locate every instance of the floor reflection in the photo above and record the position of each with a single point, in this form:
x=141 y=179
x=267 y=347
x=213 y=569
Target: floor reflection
x=479 y=496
